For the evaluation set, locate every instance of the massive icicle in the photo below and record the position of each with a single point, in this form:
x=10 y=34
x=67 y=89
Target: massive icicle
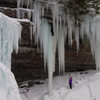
x=10 y=33
x=46 y=41
x=96 y=43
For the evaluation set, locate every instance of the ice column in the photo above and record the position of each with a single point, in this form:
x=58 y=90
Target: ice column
x=47 y=46
x=97 y=44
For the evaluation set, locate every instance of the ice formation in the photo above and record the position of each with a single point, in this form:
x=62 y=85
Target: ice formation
x=10 y=33
x=46 y=41
x=63 y=26
x=8 y=85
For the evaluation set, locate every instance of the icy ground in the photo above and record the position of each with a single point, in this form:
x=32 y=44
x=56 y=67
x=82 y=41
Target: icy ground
x=86 y=86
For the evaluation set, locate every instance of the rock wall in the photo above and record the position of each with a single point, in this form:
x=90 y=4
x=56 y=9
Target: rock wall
x=28 y=63
x=8 y=3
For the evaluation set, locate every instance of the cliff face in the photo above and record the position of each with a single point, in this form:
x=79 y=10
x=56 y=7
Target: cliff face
x=28 y=63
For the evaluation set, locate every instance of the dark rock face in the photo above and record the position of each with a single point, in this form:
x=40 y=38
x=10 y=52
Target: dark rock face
x=28 y=63
x=9 y=12
x=8 y=3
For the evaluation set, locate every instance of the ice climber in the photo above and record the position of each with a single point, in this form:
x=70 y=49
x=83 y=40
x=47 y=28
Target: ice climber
x=70 y=82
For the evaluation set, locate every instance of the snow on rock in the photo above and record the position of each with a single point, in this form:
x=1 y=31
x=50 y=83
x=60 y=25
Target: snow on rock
x=22 y=20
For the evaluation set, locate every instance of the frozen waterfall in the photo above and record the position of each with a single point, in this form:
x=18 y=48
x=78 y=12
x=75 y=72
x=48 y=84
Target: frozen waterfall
x=63 y=26
x=10 y=33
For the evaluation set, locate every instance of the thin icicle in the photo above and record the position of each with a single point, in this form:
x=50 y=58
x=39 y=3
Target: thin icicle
x=70 y=28
x=55 y=14
x=77 y=37
x=61 y=51
x=82 y=30
x=29 y=13
x=92 y=38
x=18 y=10
x=31 y=32
x=28 y=2
x=23 y=15
x=42 y=11
x=22 y=3
x=37 y=19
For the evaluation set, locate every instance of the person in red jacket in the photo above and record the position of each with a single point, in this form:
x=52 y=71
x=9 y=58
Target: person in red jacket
x=70 y=82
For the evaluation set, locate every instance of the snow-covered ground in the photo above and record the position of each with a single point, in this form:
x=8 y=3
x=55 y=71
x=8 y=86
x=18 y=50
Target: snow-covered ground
x=86 y=86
